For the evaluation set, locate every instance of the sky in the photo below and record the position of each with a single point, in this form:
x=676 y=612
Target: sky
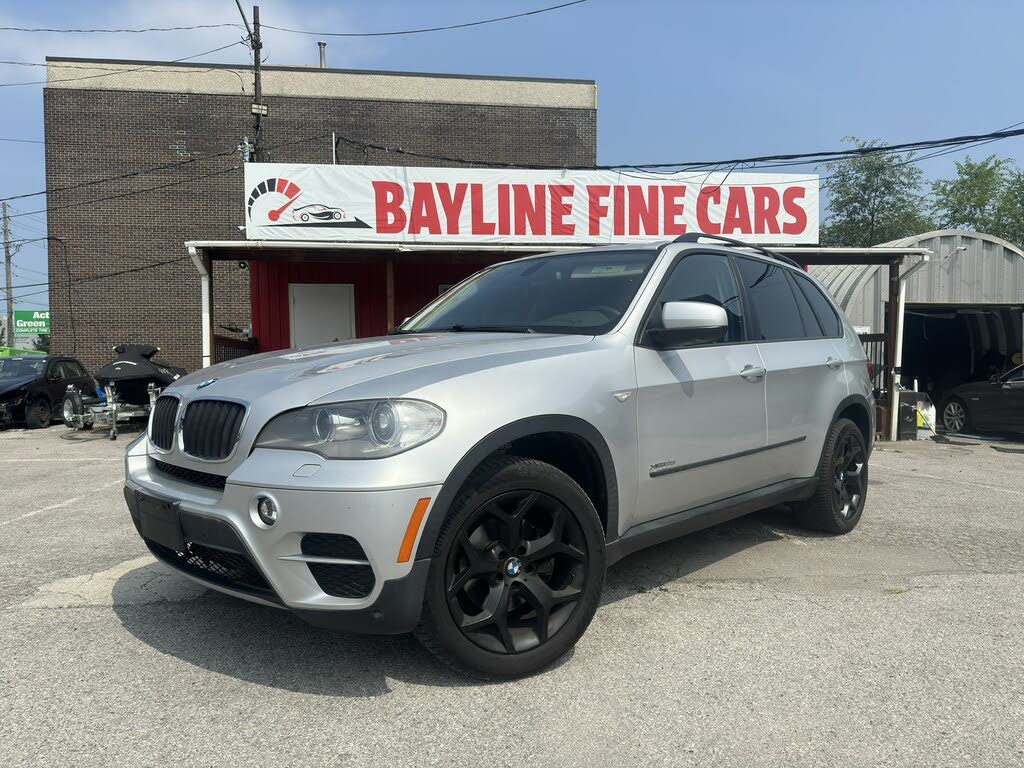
x=678 y=80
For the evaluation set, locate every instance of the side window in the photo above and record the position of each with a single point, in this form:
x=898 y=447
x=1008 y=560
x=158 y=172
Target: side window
x=76 y=370
x=778 y=316
x=56 y=368
x=703 y=277
x=1016 y=375
x=823 y=309
x=811 y=324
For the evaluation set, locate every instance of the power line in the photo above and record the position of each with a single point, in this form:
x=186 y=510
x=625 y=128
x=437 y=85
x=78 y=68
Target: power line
x=107 y=30
x=23 y=141
x=194 y=177
x=121 y=71
x=152 y=169
x=93 y=278
x=426 y=29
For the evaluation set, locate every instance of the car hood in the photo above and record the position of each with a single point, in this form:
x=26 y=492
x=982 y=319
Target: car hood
x=293 y=378
x=7 y=386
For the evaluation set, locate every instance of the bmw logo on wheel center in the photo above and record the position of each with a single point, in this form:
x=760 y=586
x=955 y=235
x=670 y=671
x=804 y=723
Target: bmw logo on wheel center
x=513 y=566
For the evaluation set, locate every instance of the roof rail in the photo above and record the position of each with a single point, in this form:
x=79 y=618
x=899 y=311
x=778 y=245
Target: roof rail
x=693 y=237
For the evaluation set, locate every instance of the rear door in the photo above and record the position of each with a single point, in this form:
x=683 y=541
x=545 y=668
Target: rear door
x=56 y=380
x=1012 y=388
x=701 y=421
x=805 y=378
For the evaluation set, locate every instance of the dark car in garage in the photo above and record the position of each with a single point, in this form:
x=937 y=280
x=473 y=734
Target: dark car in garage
x=996 y=405
x=32 y=388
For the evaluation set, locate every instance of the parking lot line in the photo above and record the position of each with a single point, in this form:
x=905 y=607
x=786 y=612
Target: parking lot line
x=59 y=505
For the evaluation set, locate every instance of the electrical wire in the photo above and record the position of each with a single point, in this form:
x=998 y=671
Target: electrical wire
x=426 y=29
x=93 y=278
x=122 y=71
x=23 y=141
x=107 y=30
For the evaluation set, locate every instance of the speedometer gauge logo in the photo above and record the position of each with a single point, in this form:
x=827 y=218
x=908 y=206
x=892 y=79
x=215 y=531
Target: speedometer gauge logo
x=281 y=207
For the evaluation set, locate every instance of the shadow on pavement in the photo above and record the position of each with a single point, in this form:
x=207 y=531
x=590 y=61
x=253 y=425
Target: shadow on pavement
x=270 y=647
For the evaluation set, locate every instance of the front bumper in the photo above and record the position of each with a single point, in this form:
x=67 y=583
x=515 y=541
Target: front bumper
x=11 y=412
x=227 y=547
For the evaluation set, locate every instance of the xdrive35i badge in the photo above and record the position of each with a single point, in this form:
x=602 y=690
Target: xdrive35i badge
x=205 y=384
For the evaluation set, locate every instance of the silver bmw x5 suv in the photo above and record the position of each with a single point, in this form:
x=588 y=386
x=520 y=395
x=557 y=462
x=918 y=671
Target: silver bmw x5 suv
x=470 y=477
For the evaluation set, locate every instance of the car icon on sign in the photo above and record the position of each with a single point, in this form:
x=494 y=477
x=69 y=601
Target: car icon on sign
x=318 y=212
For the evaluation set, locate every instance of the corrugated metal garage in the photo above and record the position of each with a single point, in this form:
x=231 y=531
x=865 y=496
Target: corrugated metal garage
x=964 y=317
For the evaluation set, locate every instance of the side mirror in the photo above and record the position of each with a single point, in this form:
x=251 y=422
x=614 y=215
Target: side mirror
x=687 y=323
x=53 y=376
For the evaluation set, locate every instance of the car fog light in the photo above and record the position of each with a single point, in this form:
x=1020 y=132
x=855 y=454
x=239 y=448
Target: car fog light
x=266 y=508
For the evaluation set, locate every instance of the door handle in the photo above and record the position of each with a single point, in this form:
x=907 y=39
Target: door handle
x=753 y=372
x=833 y=363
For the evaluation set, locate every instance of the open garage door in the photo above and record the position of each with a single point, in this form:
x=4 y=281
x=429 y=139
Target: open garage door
x=949 y=344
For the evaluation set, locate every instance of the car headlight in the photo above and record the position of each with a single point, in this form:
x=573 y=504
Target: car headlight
x=362 y=429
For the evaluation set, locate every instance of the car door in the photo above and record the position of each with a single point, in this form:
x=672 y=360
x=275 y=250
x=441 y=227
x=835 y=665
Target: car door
x=55 y=382
x=700 y=409
x=1012 y=389
x=78 y=377
x=805 y=379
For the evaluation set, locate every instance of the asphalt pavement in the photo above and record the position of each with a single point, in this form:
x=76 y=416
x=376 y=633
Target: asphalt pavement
x=753 y=643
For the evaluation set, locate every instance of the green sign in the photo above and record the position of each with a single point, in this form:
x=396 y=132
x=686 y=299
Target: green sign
x=31 y=322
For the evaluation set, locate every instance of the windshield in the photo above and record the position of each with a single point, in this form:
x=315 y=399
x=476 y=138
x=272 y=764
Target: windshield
x=580 y=293
x=16 y=367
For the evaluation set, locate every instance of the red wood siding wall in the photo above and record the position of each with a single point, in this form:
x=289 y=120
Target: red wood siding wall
x=416 y=285
x=269 y=283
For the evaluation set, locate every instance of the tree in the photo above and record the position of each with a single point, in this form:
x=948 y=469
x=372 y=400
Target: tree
x=42 y=343
x=873 y=199
x=1010 y=224
x=972 y=199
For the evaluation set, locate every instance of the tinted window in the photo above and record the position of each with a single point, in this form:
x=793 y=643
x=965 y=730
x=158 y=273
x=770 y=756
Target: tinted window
x=703 y=277
x=778 y=316
x=1016 y=374
x=811 y=324
x=823 y=310
x=74 y=370
x=584 y=293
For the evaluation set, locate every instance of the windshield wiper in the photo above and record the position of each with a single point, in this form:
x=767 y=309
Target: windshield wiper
x=461 y=328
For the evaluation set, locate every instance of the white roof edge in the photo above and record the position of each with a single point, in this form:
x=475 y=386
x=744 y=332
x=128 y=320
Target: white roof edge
x=540 y=247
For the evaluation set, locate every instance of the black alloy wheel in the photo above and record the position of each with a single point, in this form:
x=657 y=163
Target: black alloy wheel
x=518 y=572
x=848 y=476
x=841 y=486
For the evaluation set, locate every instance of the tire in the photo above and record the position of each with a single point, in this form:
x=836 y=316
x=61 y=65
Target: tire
x=842 y=482
x=38 y=413
x=955 y=416
x=71 y=407
x=545 y=587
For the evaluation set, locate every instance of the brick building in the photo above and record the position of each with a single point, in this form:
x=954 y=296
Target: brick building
x=109 y=124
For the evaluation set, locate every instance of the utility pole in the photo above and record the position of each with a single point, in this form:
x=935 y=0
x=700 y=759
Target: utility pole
x=10 y=281
x=259 y=109
x=257 y=90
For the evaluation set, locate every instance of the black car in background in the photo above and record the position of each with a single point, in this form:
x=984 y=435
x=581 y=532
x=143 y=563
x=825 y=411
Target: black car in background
x=996 y=405
x=32 y=388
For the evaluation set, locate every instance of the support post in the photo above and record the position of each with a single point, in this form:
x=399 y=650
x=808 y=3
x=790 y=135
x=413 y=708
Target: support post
x=390 y=285
x=204 y=266
x=894 y=333
x=9 y=278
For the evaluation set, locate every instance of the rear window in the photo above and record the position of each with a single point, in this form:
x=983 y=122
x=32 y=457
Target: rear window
x=822 y=307
x=778 y=316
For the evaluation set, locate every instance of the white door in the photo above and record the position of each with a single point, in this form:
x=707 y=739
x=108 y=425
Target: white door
x=321 y=313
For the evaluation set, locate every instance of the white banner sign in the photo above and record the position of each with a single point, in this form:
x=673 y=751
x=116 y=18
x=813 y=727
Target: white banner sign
x=363 y=203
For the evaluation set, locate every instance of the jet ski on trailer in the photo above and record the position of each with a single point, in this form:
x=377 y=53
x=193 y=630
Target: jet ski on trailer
x=127 y=389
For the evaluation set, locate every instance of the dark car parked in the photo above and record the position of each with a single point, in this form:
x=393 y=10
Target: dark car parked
x=32 y=388
x=996 y=405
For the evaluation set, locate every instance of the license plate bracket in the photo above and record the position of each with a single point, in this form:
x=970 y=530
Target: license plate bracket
x=159 y=521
